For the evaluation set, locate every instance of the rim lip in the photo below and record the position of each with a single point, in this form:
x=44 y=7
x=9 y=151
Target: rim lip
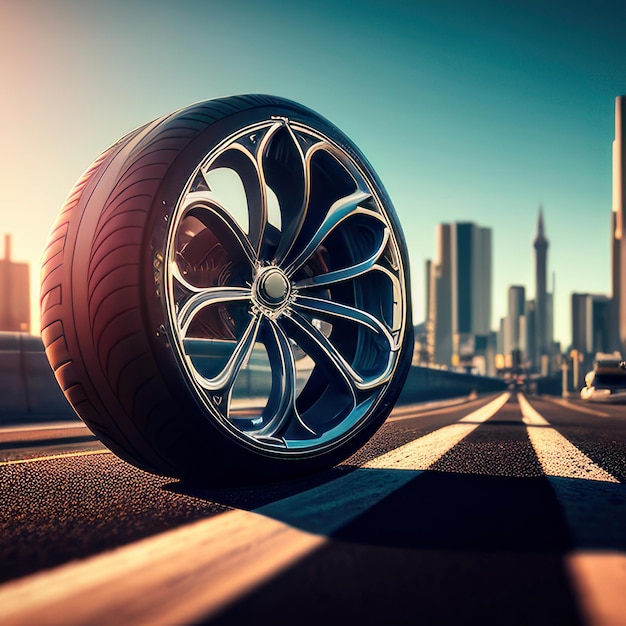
x=359 y=416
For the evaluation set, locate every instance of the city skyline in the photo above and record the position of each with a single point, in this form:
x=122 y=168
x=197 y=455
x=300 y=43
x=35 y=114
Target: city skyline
x=476 y=112
x=459 y=331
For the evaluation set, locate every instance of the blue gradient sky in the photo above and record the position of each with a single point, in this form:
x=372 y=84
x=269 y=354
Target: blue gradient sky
x=475 y=111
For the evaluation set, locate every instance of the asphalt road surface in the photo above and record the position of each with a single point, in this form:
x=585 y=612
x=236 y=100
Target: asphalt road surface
x=499 y=510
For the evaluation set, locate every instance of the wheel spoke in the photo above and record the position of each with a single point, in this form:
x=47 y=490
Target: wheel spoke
x=284 y=169
x=221 y=385
x=182 y=281
x=242 y=157
x=324 y=353
x=351 y=314
x=337 y=213
x=200 y=299
x=398 y=309
x=346 y=273
x=206 y=207
x=281 y=406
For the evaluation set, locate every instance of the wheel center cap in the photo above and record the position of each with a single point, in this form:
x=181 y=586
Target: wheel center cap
x=272 y=287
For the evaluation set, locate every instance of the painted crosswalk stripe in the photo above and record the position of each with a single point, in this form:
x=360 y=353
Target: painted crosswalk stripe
x=191 y=572
x=571 y=406
x=558 y=457
x=324 y=509
x=596 y=501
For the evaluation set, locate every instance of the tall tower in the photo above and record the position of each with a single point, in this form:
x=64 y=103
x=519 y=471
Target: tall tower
x=541 y=297
x=618 y=223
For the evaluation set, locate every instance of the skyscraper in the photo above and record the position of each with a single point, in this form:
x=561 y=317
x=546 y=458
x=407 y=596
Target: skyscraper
x=618 y=223
x=590 y=328
x=440 y=298
x=460 y=299
x=471 y=284
x=14 y=292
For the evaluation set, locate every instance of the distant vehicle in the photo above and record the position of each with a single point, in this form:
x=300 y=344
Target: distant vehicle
x=606 y=382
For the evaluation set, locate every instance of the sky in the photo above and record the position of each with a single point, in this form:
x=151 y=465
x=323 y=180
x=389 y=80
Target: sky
x=477 y=111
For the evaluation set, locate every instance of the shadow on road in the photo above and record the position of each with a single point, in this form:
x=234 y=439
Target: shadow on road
x=449 y=548
x=446 y=548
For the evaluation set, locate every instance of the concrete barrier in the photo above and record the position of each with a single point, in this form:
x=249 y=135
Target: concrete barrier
x=424 y=384
x=13 y=397
x=29 y=391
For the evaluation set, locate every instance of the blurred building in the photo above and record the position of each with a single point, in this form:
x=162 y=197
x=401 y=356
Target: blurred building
x=14 y=292
x=514 y=341
x=591 y=328
x=459 y=312
x=530 y=316
x=590 y=324
x=440 y=297
x=618 y=223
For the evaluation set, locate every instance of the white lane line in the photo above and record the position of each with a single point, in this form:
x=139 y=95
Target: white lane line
x=172 y=578
x=191 y=572
x=406 y=411
x=573 y=406
x=328 y=507
x=595 y=513
x=595 y=510
x=423 y=452
x=558 y=457
x=600 y=581
x=51 y=457
x=42 y=426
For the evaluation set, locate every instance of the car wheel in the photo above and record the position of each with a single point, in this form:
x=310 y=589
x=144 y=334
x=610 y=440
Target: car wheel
x=226 y=294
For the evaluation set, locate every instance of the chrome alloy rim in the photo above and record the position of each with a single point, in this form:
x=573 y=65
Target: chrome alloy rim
x=284 y=288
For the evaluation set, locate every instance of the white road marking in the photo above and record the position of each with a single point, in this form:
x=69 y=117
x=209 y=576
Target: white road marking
x=600 y=581
x=51 y=457
x=596 y=502
x=407 y=411
x=171 y=578
x=558 y=457
x=573 y=406
x=595 y=512
x=423 y=452
x=191 y=572
x=330 y=506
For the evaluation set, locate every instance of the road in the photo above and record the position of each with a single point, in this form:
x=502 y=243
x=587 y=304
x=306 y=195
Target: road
x=502 y=509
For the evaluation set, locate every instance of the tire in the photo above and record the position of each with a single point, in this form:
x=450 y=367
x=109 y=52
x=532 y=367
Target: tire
x=225 y=294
